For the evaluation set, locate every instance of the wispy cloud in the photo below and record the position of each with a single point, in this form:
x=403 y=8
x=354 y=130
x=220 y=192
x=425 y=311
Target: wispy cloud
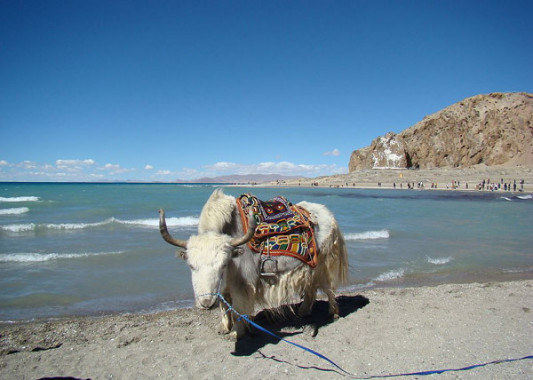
x=335 y=152
x=74 y=163
x=90 y=170
x=115 y=169
x=61 y=170
x=269 y=167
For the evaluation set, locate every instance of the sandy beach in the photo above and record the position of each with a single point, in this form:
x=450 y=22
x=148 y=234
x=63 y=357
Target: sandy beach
x=441 y=178
x=381 y=332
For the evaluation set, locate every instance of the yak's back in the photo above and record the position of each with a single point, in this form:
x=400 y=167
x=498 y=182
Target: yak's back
x=217 y=213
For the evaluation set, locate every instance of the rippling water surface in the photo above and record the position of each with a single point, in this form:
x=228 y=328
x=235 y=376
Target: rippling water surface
x=76 y=249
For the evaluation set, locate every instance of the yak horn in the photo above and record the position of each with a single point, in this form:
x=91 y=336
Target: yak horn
x=248 y=235
x=164 y=232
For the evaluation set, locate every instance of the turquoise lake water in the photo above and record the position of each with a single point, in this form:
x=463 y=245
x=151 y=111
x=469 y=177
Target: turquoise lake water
x=86 y=249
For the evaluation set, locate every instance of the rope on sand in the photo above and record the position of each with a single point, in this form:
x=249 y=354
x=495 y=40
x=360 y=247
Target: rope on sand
x=346 y=373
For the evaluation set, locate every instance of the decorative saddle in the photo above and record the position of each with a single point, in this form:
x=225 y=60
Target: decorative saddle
x=282 y=228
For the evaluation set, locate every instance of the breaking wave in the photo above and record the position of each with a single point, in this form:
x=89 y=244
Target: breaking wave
x=439 y=260
x=41 y=257
x=14 y=211
x=18 y=227
x=20 y=199
x=391 y=275
x=368 y=235
x=187 y=221
x=526 y=197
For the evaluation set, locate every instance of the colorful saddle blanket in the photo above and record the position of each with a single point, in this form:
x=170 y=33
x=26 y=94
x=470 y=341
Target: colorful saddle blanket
x=282 y=228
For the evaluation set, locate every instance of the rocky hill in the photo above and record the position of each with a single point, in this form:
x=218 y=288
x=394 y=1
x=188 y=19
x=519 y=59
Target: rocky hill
x=493 y=129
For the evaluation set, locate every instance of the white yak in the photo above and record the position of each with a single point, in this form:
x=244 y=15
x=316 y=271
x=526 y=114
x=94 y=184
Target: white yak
x=220 y=261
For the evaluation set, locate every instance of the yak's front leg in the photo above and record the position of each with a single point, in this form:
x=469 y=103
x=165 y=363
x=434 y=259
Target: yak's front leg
x=227 y=316
x=243 y=303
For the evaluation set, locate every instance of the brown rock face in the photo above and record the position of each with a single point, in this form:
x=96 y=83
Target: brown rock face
x=493 y=129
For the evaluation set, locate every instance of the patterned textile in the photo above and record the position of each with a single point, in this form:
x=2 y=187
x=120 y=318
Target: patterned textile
x=282 y=228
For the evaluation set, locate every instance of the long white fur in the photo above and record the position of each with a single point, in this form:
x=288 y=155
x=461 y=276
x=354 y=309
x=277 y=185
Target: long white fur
x=213 y=264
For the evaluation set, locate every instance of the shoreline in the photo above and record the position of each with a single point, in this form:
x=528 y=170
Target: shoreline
x=444 y=179
x=381 y=331
x=349 y=288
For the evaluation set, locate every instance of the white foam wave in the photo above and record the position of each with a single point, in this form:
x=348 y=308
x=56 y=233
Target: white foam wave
x=187 y=221
x=76 y=226
x=20 y=199
x=525 y=197
x=41 y=257
x=391 y=275
x=18 y=227
x=14 y=211
x=439 y=260
x=368 y=235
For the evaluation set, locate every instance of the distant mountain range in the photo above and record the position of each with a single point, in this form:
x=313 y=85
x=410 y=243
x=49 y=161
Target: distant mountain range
x=240 y=179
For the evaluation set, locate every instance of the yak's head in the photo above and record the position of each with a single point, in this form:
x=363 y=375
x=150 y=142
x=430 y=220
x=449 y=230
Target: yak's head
x=208 y=255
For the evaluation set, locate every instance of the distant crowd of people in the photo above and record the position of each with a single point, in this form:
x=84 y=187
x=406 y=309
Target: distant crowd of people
x=501 y=185
x=484 y=185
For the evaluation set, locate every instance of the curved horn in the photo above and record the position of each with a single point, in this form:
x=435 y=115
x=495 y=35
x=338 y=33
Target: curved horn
x=164 y=232
x=248 y=235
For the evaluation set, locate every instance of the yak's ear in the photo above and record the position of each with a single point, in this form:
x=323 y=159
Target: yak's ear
x=235 y=252
x=181 y=254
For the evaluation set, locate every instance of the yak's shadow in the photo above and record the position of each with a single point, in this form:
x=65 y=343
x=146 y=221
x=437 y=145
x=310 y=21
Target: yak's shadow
x=284 y=322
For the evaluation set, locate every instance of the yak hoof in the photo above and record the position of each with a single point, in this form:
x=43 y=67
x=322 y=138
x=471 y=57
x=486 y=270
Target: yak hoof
x=223 y=330
x=232 y=336
x=311 y=330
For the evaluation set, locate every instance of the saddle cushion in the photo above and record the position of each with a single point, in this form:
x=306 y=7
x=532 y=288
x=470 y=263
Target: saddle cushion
x=282 y=228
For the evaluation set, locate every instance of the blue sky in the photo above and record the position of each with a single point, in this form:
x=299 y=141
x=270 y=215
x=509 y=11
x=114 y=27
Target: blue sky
x=160 y=90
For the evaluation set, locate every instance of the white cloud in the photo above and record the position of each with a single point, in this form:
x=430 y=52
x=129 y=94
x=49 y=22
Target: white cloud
x=74 y=163
x=89 y=170
x=112 y=167
x=335 y=152
x=28 y=165
x=74 y=166
x=115 y=169
x=224 y=166
x=268 y=167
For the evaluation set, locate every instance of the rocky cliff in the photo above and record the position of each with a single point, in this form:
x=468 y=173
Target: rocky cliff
x=493 y=129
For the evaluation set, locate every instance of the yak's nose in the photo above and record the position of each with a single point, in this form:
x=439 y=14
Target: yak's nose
x=205 y=302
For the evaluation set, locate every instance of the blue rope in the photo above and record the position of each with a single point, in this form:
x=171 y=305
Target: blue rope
x=421 y=373
x=439 y=371
x=247 y=319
